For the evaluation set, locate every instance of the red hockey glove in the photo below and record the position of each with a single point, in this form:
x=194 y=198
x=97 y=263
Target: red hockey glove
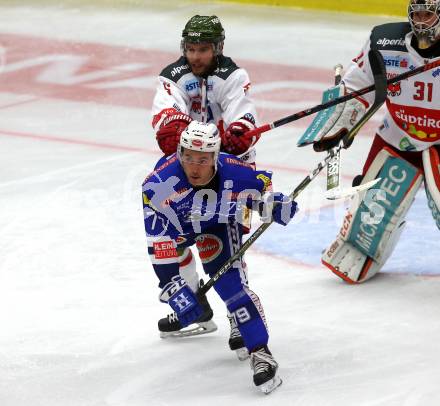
x=168 y=135
x=235 y=139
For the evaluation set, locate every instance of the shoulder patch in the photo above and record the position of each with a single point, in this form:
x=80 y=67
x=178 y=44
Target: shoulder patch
x=176 y=70
x=390 y=36
x=162 y=164
x=237 y=162
x=226 y=66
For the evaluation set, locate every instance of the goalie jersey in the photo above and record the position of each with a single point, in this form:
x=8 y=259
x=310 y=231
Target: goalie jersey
x=412 y=118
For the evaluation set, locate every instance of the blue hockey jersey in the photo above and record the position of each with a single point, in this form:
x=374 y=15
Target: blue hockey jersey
x=173 y=208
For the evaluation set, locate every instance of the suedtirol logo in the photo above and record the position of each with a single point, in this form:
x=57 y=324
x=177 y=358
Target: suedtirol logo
x=419 y=123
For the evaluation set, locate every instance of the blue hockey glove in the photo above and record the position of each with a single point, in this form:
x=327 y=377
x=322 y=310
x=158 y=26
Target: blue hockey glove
x=182 y=300
x=277 y=207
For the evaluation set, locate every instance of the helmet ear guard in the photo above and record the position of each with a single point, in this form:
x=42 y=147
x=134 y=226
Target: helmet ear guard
x=427 y=33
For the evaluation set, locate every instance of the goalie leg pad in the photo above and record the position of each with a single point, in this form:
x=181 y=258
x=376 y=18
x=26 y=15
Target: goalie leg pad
x=375 y=219
x=431 y=165
x=352 y=265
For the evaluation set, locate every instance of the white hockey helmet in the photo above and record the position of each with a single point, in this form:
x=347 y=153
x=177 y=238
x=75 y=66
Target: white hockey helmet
x=201 y=137
x=427 y=31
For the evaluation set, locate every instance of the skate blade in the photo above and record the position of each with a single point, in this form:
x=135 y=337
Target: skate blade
x=242 y=354
x=269 y=386
x=195 y=329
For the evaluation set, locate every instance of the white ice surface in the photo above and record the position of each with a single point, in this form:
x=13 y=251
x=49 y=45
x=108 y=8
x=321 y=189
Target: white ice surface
x=78 y=297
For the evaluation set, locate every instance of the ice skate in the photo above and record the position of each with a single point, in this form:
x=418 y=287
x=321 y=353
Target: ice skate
x=170 y=326
x=236 y=342
x=265 y=370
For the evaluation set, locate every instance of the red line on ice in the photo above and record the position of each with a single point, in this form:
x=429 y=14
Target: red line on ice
x=118 y=147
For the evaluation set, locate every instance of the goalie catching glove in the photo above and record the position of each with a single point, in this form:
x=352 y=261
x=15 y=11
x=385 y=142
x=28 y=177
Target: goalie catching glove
x=168 y=135
x=341 y=121
x=235 y=140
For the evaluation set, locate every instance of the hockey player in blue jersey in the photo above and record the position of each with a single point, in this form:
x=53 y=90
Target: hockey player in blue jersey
x=204 y=85
x=196 y=197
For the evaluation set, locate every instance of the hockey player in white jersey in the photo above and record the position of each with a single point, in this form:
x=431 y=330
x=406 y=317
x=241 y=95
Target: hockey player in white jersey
x=405 y=149
x=206 y=86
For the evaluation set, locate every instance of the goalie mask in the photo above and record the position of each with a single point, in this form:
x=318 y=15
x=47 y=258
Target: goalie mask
x=201 y=29
x=424 y=17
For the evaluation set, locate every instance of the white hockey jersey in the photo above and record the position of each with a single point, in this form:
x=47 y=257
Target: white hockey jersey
x=220 y=98
x=412 y=119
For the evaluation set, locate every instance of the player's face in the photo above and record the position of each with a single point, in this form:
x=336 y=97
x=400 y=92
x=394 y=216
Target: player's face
x=198 y=166
x=423 y=13
x=200 y=57
x=425 y=18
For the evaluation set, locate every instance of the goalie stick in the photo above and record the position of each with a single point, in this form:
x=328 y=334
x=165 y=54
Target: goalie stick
x=378 y=69
x=342 y=99
x=334 y=166
x=380 y=84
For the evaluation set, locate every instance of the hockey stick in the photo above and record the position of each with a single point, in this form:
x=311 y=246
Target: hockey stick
x=260 y=230
x=342 y=99
x=334 y=166
x=378 y=69
x=380 y=84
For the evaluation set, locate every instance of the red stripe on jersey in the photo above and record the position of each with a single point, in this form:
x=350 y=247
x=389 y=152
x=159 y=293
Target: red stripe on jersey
x=164 y=113
x=187 y=260
x=360 y=56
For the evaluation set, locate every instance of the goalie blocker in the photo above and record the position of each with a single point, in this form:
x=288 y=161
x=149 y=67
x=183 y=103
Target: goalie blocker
x=375 y=219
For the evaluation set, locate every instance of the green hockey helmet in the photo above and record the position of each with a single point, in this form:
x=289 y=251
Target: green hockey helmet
x=204 y=29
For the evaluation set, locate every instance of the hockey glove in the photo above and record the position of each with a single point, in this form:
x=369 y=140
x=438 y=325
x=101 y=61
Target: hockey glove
x=235 y=139
x=182 y=300
x=168 y=135
x=277 y=207
x=343 y=119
